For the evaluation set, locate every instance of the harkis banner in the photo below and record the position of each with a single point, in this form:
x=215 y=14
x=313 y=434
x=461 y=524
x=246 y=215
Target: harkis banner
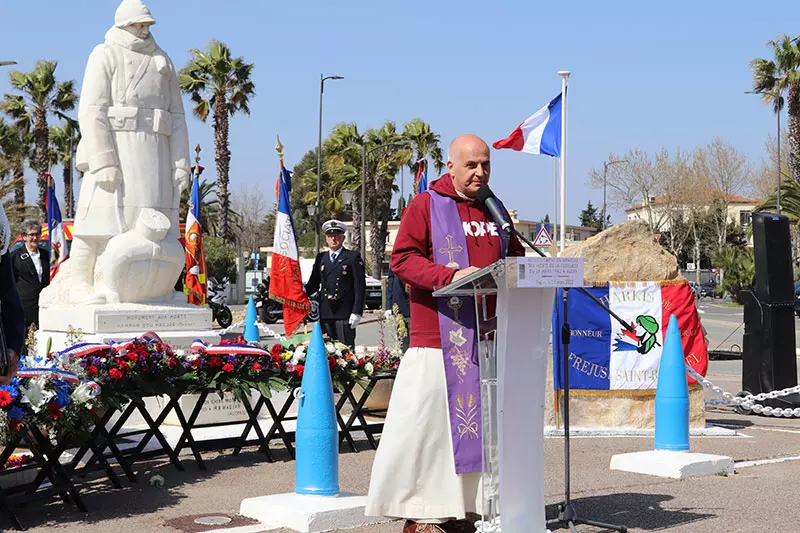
x=603 y=355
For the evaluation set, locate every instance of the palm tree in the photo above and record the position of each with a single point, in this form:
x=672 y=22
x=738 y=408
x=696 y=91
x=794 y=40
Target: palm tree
x=771 y=79
x=220 y=84
x=15 y=212
x=790 y=200
x=382 y=169
x=425 y=144
x=64 y=140
x=41 y=96
x=337 y=175
x=15 y=147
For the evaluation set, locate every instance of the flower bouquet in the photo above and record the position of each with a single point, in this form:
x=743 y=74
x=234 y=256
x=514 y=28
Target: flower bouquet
x=233 y=366
x=47 y=396
x=145 y=366
x=12 y=475
x=344 y=364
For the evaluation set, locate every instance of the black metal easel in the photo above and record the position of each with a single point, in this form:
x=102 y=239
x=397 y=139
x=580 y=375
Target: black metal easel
x=567 y=515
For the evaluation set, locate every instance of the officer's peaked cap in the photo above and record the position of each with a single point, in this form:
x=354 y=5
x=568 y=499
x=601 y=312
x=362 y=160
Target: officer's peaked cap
x=333 y=227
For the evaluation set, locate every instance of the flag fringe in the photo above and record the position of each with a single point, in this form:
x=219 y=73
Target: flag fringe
x=618 y=393
x=291 y=303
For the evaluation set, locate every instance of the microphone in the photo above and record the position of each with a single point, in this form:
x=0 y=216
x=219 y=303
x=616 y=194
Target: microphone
x=487 y=198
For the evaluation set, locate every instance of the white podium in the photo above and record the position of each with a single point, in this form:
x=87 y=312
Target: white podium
x=513 y=344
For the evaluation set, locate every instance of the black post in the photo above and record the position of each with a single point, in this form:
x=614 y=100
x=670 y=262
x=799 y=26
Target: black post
x=567 y=515
x=565 y=338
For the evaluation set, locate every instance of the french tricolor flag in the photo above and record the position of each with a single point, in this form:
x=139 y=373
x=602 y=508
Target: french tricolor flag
x=286 y=285
x=539 y=134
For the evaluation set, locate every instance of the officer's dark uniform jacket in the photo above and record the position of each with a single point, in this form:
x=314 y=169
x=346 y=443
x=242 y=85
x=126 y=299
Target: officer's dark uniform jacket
x=342 y=284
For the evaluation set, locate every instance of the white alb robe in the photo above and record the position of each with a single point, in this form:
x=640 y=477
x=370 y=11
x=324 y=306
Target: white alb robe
x=414 y=474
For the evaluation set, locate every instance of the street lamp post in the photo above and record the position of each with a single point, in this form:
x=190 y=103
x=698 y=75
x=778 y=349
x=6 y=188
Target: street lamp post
x=607 y=164
x=7 y=63
x=319 y=156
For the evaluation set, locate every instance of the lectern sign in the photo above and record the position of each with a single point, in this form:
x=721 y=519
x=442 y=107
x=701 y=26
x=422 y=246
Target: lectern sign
x=544 y=272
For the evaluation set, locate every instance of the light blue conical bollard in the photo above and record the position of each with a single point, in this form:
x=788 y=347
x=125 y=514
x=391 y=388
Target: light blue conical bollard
x=317 y=436
x=250 y=329
x=672 y=394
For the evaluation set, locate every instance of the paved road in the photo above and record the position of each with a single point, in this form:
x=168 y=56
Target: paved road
x=758 y=497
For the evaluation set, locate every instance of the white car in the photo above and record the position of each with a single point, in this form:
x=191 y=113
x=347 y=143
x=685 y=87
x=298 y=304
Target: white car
x=374 y=296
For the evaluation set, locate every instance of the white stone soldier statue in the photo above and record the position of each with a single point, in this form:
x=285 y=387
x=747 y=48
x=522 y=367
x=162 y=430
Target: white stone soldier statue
x=135 y=153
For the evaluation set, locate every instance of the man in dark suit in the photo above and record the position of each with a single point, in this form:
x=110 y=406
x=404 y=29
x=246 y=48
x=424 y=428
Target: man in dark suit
x=338 y=275
x=31 y=266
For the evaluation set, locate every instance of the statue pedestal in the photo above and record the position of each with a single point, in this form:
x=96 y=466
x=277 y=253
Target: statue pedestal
x=177 y=324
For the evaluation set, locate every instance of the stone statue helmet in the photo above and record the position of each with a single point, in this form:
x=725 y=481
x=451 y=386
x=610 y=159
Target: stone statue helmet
x=135 y=17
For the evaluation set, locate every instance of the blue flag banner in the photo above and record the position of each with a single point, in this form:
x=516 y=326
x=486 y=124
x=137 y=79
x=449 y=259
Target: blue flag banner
x=604 y=355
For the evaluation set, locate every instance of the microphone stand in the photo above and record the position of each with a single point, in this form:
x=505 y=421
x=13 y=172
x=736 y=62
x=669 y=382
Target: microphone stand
x=567 y=515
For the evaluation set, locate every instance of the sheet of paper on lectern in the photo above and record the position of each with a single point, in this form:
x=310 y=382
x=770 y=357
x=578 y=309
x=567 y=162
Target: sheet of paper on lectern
x=544 y=272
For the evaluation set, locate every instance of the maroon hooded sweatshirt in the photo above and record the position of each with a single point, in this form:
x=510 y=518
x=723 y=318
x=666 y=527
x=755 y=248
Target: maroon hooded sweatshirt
x=412 y=256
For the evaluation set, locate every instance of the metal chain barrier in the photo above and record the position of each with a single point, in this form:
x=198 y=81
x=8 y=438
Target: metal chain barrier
x=269 y=333
x=232 y=326
x=263 y=328
x=747 y=402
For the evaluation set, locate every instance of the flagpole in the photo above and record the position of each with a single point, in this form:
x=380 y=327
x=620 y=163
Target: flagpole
x=564 y=75
x=554 y=236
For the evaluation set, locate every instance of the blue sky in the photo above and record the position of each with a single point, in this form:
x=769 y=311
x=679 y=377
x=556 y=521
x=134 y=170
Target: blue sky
x=644 y=74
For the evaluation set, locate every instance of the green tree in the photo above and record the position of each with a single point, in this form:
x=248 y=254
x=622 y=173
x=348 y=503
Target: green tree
x=774 y=78
x=64 y=140
x=591 y=217
x=790 y=200
x=303 y=223
x=220 y=258
x=382 y=169
x=739 y=267
x=15 y=212
x=220 y=84
x=41 y=95
x=425 y=144
x=15 y=146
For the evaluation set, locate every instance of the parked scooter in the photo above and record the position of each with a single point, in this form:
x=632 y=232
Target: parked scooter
x=216 y=301
x=269 y=311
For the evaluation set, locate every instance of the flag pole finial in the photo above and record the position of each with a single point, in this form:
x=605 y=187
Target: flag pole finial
x=279 y=149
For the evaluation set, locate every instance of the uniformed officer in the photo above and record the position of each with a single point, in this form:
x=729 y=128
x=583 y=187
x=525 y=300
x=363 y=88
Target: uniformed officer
x=338 y=275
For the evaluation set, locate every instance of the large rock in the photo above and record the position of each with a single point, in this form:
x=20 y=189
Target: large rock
x=624 y=252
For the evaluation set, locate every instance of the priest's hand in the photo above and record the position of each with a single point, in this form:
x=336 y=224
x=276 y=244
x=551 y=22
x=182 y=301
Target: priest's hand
x=13 y=364
x=464 y=272
x=354 y=320
x=108 y=178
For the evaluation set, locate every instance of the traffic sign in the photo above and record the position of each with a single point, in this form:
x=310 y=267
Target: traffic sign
x=543 y=239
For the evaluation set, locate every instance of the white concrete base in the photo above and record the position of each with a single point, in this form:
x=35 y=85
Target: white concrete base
x=309 y=514
x=126 y=317
x=676 y=465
